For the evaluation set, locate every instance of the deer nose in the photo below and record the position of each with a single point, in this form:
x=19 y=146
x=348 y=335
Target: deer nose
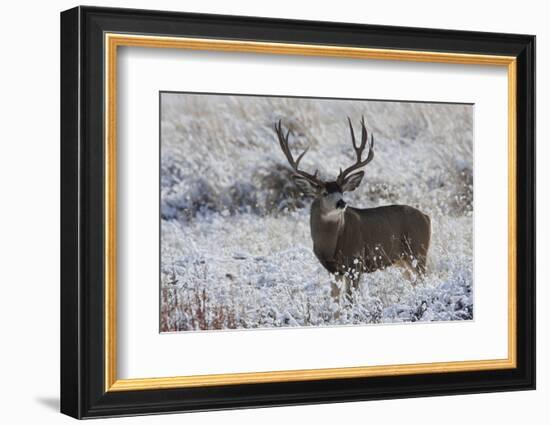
x=340 y=204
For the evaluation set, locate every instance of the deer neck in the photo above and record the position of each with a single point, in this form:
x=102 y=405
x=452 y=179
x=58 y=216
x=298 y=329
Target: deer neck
x=325 y=231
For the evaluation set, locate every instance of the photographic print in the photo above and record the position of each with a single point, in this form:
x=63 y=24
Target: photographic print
x=259 y=210
x=280 y=212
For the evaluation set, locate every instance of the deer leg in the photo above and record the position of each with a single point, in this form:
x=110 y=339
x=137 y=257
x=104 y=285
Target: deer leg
x=338 y=287
x=417 y=261
x=356 y=282
x=349 y=290
x=351 y=286
x=354 y=285
x=335 y=291
x=421 y=264
x=415 y=255
x=343 y=288
x=409 y=272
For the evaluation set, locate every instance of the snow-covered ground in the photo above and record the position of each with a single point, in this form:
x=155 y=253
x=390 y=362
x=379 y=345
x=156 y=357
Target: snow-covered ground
x=236 y=249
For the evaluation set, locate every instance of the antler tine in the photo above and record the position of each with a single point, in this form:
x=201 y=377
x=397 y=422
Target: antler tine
x=352 y=133
x=283 y=142
x=301 y=156
x=358 y=150
x=364 y=133
x=364 y=138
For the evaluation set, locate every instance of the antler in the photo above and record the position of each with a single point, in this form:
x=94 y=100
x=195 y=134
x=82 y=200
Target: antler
x=358 y=150
x=283 y=141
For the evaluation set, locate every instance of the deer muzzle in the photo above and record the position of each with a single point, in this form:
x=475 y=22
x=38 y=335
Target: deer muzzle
x=341 y=204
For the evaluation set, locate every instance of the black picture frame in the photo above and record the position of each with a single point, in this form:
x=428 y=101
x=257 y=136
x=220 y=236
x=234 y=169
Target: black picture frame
x=83 y=392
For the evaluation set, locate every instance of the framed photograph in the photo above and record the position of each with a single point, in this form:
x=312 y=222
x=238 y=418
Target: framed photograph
x=261 y=212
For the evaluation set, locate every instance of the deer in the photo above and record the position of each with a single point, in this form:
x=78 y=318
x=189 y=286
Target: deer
x=348 y=241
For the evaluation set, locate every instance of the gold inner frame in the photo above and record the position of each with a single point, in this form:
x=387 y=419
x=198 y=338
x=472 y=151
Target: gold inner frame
x=113 y=41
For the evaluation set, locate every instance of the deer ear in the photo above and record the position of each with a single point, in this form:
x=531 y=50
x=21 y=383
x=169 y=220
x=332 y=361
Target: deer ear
x=305 y=185
x=352 y=182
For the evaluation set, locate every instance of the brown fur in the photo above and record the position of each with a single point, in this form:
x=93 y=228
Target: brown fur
x=374 y=237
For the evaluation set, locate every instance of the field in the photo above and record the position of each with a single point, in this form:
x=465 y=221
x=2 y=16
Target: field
x=236 y=249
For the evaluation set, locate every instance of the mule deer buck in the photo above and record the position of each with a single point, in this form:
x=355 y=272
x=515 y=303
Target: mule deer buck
x=350 y=241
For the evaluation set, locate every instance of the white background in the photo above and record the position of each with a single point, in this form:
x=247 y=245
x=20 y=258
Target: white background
x=29 y=225
x=143 y=72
